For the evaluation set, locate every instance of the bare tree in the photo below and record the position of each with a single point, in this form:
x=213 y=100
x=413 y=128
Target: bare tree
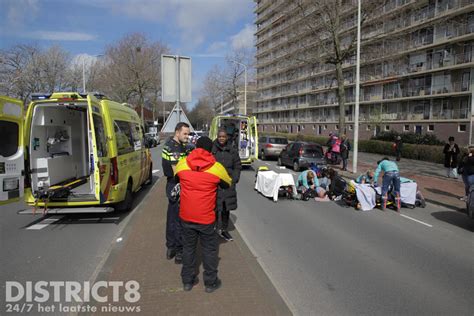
x=331 y=26
x=201 y=114
x=26 y=69
x=224 y=83
x=132 y=70
x=54 y=69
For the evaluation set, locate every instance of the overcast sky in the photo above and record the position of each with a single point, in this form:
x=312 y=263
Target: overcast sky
x=205 y=30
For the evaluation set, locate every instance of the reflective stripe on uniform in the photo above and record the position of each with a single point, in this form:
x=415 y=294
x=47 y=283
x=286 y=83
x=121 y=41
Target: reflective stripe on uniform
x=168 y=157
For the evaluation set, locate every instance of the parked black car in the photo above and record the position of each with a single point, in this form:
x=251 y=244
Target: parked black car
x=301 y=155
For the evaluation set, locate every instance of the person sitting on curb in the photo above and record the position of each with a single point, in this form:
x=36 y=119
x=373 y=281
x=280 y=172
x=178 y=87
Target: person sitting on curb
x=367 y=177
x=199 y=176
x=307 y=180
x=391 y=176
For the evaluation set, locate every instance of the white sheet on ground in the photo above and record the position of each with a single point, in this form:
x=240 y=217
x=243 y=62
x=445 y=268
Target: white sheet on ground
x=366 y=194
x=268 y=183
x=407 y=191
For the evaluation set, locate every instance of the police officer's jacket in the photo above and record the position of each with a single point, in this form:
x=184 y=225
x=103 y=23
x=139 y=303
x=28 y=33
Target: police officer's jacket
x=172 y=152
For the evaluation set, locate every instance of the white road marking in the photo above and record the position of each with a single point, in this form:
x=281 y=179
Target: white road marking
x=156 y=170
x=45 y=222
x=99 y=218
x=413 y=219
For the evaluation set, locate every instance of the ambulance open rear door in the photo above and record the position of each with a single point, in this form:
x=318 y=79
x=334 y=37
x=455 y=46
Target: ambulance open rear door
x=12 y=162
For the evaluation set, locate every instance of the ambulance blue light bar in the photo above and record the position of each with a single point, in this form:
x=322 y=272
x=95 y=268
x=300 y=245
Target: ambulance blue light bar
x=40 y=96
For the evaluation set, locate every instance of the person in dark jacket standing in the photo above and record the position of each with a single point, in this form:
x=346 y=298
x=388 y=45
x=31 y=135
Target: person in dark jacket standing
x=173 y=151
x=345 y=148
x=466 y=168
x=199 y=176
x=227 y=155
x=397 y=146
x=451 y=152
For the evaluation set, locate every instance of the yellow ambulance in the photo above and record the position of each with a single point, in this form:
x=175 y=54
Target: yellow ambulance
x=70 y=152
x=242 y=133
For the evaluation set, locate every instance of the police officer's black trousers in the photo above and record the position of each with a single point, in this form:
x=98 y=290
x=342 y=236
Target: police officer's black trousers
x=173 y=223
x=209 y=249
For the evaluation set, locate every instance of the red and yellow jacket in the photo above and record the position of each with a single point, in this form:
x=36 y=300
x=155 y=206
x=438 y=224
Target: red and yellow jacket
x=199 y=175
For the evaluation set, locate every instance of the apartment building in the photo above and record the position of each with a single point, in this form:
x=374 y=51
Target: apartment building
x=417 y=70
x=237 y=105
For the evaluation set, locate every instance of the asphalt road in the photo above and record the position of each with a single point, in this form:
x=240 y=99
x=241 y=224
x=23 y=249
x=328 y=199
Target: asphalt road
x=328 y=260
x=64 y=248
x=322 y=258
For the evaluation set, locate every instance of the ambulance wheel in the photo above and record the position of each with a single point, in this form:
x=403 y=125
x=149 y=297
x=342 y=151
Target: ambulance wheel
x=127 y=202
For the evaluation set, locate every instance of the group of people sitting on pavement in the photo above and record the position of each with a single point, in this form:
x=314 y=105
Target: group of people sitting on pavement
x=320 y=183
x=326 y=183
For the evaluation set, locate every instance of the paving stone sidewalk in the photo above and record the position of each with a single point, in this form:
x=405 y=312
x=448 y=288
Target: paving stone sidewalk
x=246 y=289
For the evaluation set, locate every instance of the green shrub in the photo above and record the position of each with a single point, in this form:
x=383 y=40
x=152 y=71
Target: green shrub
x=422 y=152
x=409 y=138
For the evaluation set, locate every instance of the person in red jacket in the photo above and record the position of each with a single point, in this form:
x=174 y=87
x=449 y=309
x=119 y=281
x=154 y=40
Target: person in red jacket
x=199 y=176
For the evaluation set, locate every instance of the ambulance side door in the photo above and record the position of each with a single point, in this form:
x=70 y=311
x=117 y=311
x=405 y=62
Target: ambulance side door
x=101 y=150
x=12 y=161
x=253 y=137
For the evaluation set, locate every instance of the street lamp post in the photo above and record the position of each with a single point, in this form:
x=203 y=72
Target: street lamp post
x=245 y=84
x=83 y=75
x=84 y=72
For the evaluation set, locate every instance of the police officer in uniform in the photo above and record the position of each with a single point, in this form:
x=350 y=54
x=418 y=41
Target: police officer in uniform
x=174 y=150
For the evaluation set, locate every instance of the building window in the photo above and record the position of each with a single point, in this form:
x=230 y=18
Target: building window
x=336 y=127
x=368 y=127
x=462 y=128
x=406 y=128
x=430 y=128
x=418 y=129
x=314 y=127
x=387 y=127
x=350 y=127
x=325 y=127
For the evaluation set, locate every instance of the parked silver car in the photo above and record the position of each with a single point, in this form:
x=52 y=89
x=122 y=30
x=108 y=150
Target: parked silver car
x=271 y=146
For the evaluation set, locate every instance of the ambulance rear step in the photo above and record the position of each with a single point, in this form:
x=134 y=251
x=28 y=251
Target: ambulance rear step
x=70 y=210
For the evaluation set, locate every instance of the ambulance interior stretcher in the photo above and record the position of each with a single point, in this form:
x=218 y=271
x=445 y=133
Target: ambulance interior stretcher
x=60 y=149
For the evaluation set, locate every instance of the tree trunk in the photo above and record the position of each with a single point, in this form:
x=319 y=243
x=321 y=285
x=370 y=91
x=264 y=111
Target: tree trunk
x=341 y=98
x=341 y=94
